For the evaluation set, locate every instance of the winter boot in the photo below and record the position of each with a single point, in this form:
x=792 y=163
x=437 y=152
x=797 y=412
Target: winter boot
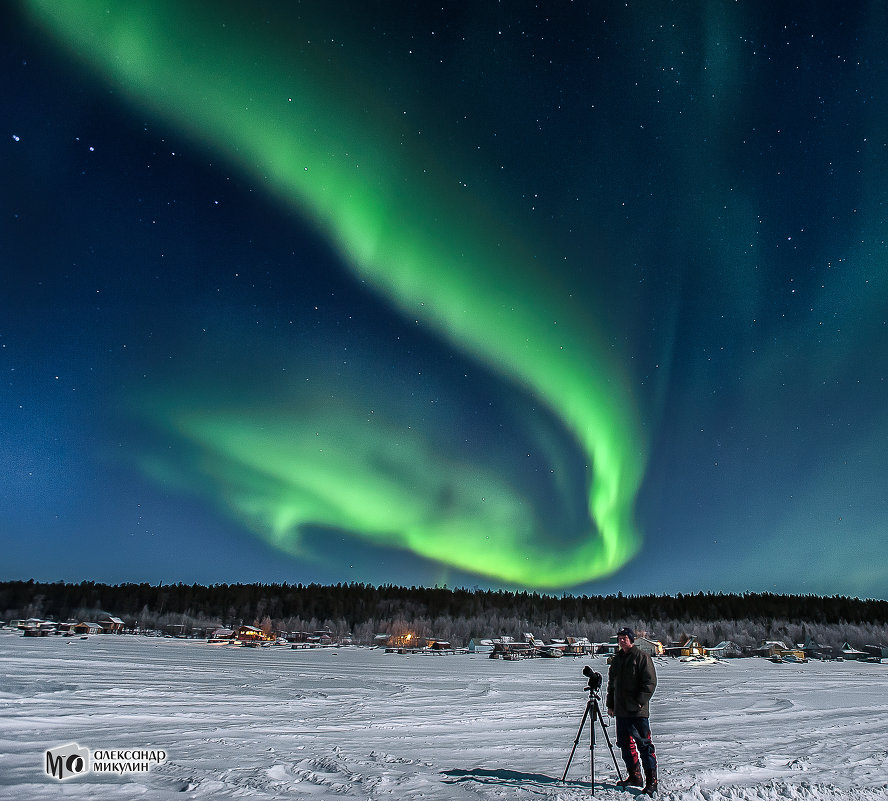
x=632 y=780
x=650 y=782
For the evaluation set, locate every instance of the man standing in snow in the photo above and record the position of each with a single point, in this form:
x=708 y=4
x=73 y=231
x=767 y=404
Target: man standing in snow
x=631 y=681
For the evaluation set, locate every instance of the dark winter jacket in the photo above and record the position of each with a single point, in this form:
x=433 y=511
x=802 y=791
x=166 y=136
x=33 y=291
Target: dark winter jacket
x=631 y=681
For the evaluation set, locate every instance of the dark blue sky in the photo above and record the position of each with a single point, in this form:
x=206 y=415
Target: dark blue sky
x=219 y=367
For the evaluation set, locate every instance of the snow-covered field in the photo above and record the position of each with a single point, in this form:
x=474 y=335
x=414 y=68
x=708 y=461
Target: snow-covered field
x=358 y=723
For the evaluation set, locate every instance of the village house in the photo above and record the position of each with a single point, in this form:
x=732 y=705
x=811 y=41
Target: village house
x=649 y=646
x=250 y=635
x=851 y=653
x=42 y=629
x=324 y=637
x=813 y=649
x=608 y=648
x=86 y=627
x=686 y=646
x=726 y=649
x=876 y=653
x=770 y=648
x=578 y=646
x=399 y=642
x=111 y=624
x=777 y=650
x=507 y=648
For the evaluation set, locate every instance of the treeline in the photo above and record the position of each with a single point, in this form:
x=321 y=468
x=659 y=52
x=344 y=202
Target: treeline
x=455 y=614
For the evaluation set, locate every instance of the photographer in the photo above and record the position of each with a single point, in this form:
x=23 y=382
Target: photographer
x=631 y=681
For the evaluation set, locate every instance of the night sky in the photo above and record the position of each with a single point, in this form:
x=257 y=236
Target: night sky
x=585 y=297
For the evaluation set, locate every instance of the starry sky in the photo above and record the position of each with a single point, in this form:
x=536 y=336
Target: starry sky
x=570 y=297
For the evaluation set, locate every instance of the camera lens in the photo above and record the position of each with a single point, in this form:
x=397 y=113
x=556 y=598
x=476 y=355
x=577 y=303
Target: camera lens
x=594 y=678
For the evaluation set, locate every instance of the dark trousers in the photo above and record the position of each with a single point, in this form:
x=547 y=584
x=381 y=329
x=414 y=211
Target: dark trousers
x=634 y=741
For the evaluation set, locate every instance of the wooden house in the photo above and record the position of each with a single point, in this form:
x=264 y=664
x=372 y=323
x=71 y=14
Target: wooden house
x=507 y=648
x=111 y=624
x=726 y=649
x=686 y=646
x=779 y=651
x=607 y=648
x=86 y=627
x=42 y=629
x=578 y=646
x=814 y=650
x=649 y=646
x=849 y=652
x=250 y=635
x=408 y=640
x=221 y=635
x=769 y=647
x=876 y=653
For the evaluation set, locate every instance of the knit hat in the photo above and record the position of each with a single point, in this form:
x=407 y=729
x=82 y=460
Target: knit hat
x=628 y=632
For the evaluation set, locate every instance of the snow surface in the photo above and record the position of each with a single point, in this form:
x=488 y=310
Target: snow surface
x=259 y=723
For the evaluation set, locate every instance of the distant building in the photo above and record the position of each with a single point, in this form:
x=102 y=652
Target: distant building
x=578 y=646
x=324 y=637
x=849 y=652
x=111 y=624
x=814 y=650
x=507 y=648
x=777 y=650
x=876 y=653
x=250 y=635
x=649 y=646
x=686 y=646
x=726 y=649
x=86 y=627
x=608 y=648
x=42 y=629
x=770 y=648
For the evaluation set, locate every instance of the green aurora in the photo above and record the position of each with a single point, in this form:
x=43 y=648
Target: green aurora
x=394 y=208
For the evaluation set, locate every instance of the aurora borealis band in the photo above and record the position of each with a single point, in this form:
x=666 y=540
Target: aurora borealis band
x=464 y=294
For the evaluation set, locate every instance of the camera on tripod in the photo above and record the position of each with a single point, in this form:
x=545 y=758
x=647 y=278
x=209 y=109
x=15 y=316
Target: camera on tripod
x=594 y=678
x=593 y=711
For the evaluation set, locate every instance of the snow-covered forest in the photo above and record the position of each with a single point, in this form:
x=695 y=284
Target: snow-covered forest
x=455 y=615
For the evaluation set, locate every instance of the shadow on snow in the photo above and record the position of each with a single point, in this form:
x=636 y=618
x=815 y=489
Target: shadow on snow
x=502 y=776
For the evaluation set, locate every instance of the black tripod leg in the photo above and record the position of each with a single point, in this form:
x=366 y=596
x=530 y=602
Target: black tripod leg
x=592 y=741
x=577 y=740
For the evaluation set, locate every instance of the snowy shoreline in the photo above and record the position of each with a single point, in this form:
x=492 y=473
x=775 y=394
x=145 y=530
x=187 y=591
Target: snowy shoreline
x=360 y=723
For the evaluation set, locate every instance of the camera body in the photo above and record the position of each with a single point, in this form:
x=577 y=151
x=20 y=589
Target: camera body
x=594 y=678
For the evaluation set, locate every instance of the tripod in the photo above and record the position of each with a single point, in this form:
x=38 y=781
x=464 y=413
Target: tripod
x=593 y=709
